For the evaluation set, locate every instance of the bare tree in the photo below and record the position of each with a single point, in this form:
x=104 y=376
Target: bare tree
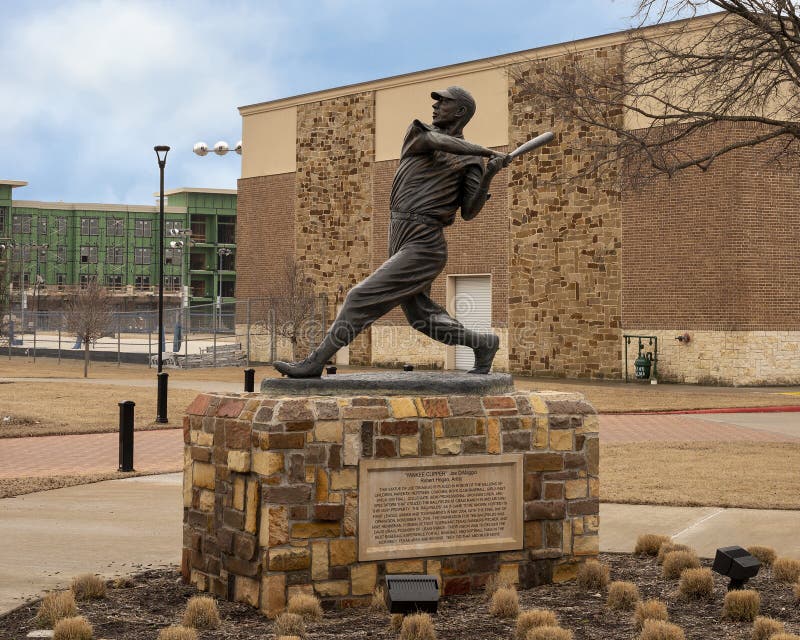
x=291 y=311
x=691 y=90
x=88 y=314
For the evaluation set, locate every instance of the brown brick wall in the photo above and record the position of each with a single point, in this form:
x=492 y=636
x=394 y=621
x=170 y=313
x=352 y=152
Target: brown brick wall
x=477 y=246
x=714 y=250
x=265 y=234
x=335 y=155
x=564 y=291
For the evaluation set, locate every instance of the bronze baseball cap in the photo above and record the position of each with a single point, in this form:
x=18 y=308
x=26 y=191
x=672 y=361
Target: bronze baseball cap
x=459 y=94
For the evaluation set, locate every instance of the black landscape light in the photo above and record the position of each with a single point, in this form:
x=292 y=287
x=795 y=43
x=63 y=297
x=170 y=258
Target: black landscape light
x=737 y=564
x=410 y=593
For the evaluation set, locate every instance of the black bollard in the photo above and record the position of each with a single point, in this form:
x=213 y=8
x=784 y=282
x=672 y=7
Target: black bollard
x=249 y=380
x=161 y=413
x=408 y=367
x=126 y=435
x=331 y=370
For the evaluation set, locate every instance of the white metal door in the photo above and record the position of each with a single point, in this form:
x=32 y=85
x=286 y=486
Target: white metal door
x=473 y=308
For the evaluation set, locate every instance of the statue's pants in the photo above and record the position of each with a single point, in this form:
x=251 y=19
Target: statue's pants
x=417 y=254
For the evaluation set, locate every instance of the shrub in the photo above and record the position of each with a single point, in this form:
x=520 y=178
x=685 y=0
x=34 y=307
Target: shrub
x=796 y=590
x=77 y=628
x=676 y=561
x=622 y=596
x=660 y=630
x=378 y=602
x=88 y=587
x=765 y=555
x=55 y=606
x=649 y=610
x=741 y=605
x=505 y=603
x=495 y=582
x=201 y=613
x=786 y=570
x=124 y=582
x=417 y=626
x=593 y=575
x=289 y=624
x=696 y=583
x=669 y=547
x=528 y=620
x=648 y=544
x=396 y=622
x=305 y=605
x=549 y=633
x=764 y=628
x=177 y=632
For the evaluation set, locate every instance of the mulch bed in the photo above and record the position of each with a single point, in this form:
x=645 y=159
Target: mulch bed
x=158 y=597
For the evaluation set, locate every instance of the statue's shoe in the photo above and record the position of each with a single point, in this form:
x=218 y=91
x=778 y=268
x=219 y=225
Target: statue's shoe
x=307 y=368
x=484 y=354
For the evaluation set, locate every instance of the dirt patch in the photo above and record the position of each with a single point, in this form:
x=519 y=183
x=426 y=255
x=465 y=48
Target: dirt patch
x=719 y=474
x=158 y=598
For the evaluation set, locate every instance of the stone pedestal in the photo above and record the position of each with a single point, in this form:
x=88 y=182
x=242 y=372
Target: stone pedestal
x=273 y=486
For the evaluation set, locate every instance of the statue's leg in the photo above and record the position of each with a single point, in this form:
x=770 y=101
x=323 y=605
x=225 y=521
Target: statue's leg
x=433 y=320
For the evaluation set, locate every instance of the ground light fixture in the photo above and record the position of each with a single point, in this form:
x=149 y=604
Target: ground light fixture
x=410 y=593
x=161 y=411
x=737 y=564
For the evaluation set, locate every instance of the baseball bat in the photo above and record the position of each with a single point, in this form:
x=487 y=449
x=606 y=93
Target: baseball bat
x=532 y=144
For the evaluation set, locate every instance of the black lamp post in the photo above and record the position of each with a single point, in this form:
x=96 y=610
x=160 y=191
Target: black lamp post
x=161 y=413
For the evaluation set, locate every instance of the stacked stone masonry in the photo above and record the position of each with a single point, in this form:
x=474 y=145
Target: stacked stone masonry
x=271 y=489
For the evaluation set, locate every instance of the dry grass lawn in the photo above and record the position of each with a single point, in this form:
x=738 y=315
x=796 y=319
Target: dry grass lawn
x=19 y=486
x=719 y=474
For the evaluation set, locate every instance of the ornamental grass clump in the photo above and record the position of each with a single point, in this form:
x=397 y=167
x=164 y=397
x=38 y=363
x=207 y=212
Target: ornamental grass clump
x=396 y=622
x=531 y=619
x=764 y=627
x=765 y=555
x=593 y=575
x=696 y=583
x=177 y=632
x=786 y=569
x=378 y=602
x=649 y=610
x=290 y=624
x=660 y=630
x=201 y=613
x=785 y=636
x=669 y=547
x=495 y=582
x=55 y=606
x=741 y=605
x=88 y=586
x=622 y=596
x=549 y=633
x=505 y=603
x=305 y=605
x=76 y=628
x=675 y=562
x=418 y=626
x=796 y=589
x=648 y=544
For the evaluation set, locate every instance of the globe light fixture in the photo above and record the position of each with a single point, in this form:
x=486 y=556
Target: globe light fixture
x=201 y=149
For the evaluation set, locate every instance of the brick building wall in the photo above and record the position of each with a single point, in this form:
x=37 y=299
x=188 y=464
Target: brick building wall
x=564 y=291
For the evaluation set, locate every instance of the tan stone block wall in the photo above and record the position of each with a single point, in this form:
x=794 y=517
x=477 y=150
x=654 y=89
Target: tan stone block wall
x=724 y=357
x=271 y=489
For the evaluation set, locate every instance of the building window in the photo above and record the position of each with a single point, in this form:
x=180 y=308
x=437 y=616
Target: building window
x=114 y=282
x=22 y=253
x=143 y=228
x=228 y=288
x=42 y=255
x=25 y=279
x=87 y=278
x=141 y=255
x=198 y=231
x=21 y=224
x=88 y=255
x=61 y=280
x=42 y=226
x=90 y=226
x=3 y=218
x=115 y=227
x=115 y=255
x=199 y=288
x=172 y=225
x=173 y=256
x=61 y=254
x=226 y=230
x=142 y=282
x=61 y=226
x=172 y=283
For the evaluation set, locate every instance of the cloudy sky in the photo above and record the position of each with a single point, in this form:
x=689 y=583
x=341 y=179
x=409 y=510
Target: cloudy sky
x=87 y=88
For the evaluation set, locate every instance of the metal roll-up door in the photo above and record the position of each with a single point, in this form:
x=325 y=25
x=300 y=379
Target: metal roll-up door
x=473 y=308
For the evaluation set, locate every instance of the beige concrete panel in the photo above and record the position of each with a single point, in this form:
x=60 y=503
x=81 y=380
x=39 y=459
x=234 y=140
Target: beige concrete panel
x=396 y=107
x=269 y=142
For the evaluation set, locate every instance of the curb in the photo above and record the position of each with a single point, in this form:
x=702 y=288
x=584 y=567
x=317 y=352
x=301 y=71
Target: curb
x=775 y=409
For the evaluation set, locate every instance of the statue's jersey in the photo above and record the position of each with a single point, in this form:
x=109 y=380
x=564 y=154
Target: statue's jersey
x=434 y=183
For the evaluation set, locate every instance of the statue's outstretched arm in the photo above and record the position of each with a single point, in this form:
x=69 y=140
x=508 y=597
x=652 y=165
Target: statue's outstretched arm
x=476 y=186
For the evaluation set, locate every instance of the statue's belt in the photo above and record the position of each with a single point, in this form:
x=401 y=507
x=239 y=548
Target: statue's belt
x=419 y=218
